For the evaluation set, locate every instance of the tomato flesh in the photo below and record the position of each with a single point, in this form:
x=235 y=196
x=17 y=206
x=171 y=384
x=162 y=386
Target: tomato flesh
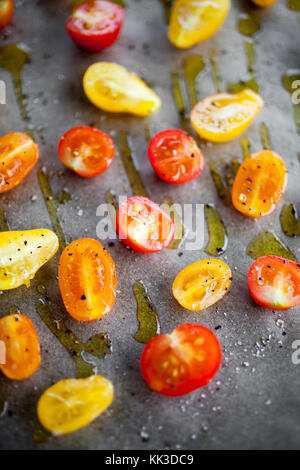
x=144 y=225
x=201 y=284
x=181 y=362
x=87 y=151
x=22 y=348
x=87 y=279
x=175 y=156
x=72 y=404
x=259 y=184
x=18 y=155
x=192 y=22
x=274 y=282
x=225 y=116
x=111 y=87
x=6 y=12
x=22 y=253
x=95 y=25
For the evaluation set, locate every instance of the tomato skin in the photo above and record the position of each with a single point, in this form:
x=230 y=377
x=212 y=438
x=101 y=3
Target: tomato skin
x=225 y=116
x=274 y=282
x=86 y=150
x=18 y=155
x=179 y=363
x=193 y=22
x=264 y=3
x=111 y=87
x=22 y=347
x=259 y=184
x=6 y=12
x=202 y=284
x=72 y=404
x=99 y=34
x=87 y=279
x=175 y=156
x=22 y=254
x=135 y=220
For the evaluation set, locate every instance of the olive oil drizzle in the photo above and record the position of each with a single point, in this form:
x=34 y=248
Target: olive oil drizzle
x=63 y=196
x=193 y=65
x=98 y=345
x=218 y=236
x=215 y=71
x=246 y=147
x=13 y=58
x=265 y=137
x=293 y=5
x=236 y=87
x=267 y=243
x=51 y=207
x=135 y=180
x=147 y=316
x=287 y=80
x=167 y=204
x=167 y=6
x=289 y=220
x=249 y=24
x=3 y=402
x=179 y=100
x=222 y=190
x=4 y=227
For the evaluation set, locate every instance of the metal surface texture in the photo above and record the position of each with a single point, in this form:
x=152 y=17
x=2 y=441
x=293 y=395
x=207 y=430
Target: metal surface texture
x=254 y=400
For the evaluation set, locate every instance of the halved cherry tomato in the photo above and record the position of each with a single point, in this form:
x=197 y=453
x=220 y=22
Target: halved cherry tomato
x=225 y=116
x=22 y=254
x=264 y=3
x=95 y=25
x=6 y=12
x=274 y=282
x=87 y=151
x=195 y=21
x=259 y=184
x=112 y=88
x=201 y=284
x=181 y=362
x=18 y=155
x=144 y=225
x=71 y=404
x=22 y=347
x=87 y=279
x=175 y=156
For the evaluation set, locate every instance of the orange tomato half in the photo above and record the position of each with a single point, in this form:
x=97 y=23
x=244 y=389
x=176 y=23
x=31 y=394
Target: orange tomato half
x=18 y=155
x=87 y=279
x=259 y=184
x=22 y=348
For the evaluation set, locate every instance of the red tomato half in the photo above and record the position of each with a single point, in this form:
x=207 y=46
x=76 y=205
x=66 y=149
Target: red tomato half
x=274 y=282
x=6 y=12
x=18 y=155
x=175 y=156
x=181 y=362
x=87 y=151
x=144 y=225
x=95 y=25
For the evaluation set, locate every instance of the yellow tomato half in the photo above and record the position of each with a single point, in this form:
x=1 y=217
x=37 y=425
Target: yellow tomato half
x=73 y=403
x=112 y=88
x=22 y=254
x=264 y=3
x=225 y=116
x=202 y=284
x=193 y=21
